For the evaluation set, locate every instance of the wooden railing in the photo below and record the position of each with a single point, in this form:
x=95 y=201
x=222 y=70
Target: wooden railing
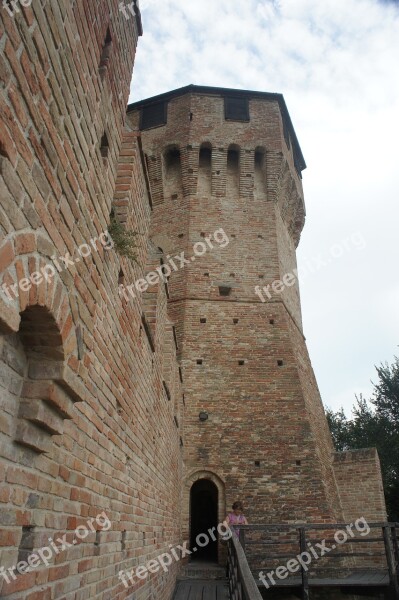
x=242 y=585
x=264 y=547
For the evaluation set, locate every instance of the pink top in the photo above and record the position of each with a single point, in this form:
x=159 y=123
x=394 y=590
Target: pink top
x=236 y=519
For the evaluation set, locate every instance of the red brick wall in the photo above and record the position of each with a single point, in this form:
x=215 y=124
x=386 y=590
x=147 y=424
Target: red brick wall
x=358 y=475
x=92 y=412
x=258 y=411
x=78 y=377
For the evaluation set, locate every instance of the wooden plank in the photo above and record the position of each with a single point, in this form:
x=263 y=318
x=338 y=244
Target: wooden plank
x=182 y=592
x=374 y=579
x=222 y=592
x=209 y=592
x=201 y=590
x=308 y=526
x=196 y=591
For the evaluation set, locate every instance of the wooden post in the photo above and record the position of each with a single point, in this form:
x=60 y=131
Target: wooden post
x=242 y=538
x=393 y=579
x=394 y=538
x=305 y=577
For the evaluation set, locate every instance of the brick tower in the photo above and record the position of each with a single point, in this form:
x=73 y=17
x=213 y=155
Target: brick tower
x=93 y=420
x=254 y=425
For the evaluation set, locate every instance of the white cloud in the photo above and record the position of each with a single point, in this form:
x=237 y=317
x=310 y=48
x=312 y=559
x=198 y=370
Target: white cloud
x=335 y=63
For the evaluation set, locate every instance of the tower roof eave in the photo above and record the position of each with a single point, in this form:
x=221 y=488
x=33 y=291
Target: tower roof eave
x=219 y=91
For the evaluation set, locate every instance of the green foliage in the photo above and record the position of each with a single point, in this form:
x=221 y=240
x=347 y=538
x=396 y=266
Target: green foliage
x=375 y=423
x=125 y=241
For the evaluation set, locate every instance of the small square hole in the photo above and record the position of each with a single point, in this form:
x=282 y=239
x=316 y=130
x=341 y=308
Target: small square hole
x=271 y=321
x=202 y=320
x=241 y=362
x=180 y=235
x=199 y=361
x=224 y=290
x=298 y=463
x=232 y=274
x=260 y=237
x=280 y=363
x=257 y=463
x=202 y=234
x=206 y=274
x=235 y=321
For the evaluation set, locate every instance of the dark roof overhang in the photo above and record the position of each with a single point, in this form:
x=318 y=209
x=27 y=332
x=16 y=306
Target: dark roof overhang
x=217 y=91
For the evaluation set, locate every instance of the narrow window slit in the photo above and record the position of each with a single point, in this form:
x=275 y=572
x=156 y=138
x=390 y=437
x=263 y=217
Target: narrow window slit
x=26 y=544
x=106 y=53
x=167 y=392
x=104 y=146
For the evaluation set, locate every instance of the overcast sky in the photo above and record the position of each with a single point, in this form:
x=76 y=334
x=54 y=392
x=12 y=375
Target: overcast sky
x=336 y=62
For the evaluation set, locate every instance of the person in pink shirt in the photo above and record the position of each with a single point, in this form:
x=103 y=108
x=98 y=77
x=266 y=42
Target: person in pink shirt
x=236 y=517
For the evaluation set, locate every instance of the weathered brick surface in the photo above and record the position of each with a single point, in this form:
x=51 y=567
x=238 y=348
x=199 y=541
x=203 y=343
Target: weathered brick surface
x=93 y=416
x=358 y=475
x=74 y=356
x=266 y=440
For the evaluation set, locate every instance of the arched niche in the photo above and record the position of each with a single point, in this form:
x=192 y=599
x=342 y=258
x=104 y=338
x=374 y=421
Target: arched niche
x=260 y=181
x=172 y=167
x=233 y=170
x=205 y=170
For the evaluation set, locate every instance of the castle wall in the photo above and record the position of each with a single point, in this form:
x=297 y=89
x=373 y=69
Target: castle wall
x=245 y=363
x=93 y=416
x=86 y=425
x=358 y=475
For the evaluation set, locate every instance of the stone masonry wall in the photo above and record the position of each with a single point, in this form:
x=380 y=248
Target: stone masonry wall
x=86 y=425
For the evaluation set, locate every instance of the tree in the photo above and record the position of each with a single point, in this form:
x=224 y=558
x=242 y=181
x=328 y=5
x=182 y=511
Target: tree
x=375 y=423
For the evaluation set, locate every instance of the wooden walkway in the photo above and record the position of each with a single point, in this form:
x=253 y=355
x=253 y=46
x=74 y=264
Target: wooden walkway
x=365 y=579
x=201 y=590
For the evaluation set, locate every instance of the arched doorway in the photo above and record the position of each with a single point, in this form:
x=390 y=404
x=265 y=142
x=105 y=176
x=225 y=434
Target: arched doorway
x=204 y=517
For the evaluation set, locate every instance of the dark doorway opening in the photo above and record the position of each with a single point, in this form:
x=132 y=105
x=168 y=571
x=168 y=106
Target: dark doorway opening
x=203 y=517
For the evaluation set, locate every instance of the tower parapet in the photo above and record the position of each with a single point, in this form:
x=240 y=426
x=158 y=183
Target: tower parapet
x=225 y=158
